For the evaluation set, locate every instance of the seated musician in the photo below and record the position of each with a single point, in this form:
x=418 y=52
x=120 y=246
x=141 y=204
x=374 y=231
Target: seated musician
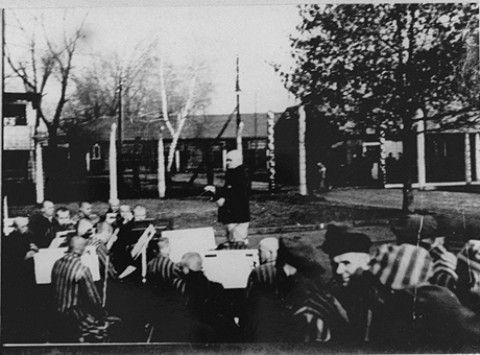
x=206 y=300
x=98 y=238
x=81 y=316
x=286 y=302
x=163 y=273
x=112 y=216
x=85 y=211
x=268 y=250
x=65 y=223
x=126 y=239
x=139 y=213
x=42 y=226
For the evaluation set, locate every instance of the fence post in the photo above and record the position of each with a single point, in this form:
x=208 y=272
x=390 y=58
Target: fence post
x=421 y=150
x=468 y=160
x=112 y=163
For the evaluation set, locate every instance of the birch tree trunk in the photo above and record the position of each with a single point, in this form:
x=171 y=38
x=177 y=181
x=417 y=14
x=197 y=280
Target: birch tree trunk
x=181 y=122
x=302 y=157
x=39 y=177
x=161 y=168
x=163 y=92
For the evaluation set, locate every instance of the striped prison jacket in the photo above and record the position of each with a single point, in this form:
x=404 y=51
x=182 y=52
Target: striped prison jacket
x=162 y=273
x=73 y=284
x=317 y=315
x=401 y=266
x=444 y=267
x=103 y=257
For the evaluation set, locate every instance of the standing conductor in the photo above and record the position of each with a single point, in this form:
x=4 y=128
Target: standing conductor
x=233 y=199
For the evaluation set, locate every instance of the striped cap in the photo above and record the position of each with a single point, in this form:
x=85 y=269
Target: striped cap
x=401 y=266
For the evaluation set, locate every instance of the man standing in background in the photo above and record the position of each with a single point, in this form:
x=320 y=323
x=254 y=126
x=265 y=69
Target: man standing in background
x=233 y=199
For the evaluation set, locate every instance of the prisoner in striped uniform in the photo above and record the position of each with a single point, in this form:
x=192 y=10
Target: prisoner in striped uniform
x=349 y=255
x=77 y=298
x=104 y=232
x=262 y=278
x=426 y=232
x=279 y=308
x=163 y=273
x=264 y=275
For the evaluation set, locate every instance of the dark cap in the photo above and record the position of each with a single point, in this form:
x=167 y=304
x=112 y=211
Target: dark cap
x=300 y=253
x=346 y=242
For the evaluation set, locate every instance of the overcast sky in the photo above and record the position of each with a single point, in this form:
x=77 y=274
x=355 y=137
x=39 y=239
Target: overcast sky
x=259 y=34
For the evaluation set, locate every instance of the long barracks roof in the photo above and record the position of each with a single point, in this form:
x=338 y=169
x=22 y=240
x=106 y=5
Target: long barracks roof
x=202 y=126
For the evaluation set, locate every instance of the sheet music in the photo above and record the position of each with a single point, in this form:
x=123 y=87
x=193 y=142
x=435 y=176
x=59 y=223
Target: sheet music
x=231 y=268
x=182 y=241
x=46 y=258
x=143 y=241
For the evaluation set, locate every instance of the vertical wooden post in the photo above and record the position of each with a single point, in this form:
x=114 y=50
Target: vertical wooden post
x=177 y=160
x=421 y=150
x=477 y=156
x=39 y=178
x=271 y=150
x=112 y=163
x=302 y=156
x=5 y=208
x=161 y=167
x=239 y=138
x=239 y=117
x=468 y=160
x=87 y=161
x=224 y=159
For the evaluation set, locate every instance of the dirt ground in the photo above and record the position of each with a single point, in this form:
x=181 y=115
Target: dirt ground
x=266 y=211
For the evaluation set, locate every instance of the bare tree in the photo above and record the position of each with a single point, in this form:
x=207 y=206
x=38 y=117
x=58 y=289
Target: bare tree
x=43 y=64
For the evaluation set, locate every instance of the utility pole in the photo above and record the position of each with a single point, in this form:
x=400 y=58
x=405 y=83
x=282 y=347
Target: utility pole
x=120 y=109
x=120 y=132
x=239 y=118
x=237 y=91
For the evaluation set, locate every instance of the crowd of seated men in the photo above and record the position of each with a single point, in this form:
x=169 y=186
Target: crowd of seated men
x=421 y=291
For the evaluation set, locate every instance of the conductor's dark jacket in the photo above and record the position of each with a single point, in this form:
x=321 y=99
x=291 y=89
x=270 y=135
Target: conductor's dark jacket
x=236 y=192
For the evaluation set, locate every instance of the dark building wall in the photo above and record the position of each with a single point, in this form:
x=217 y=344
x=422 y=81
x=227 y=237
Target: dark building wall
x=193 y=153
x=445 y=157
x=320 y=135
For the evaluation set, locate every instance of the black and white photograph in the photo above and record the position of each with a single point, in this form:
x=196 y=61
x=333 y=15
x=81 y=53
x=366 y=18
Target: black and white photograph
x=240 y=178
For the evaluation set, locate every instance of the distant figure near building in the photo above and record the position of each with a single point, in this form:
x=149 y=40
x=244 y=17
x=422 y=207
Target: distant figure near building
x=322 y=173
x=233 y=199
